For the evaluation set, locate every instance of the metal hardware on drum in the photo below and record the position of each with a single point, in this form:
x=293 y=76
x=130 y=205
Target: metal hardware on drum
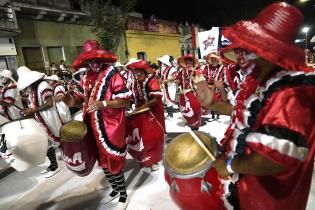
x=174 y=185
x=205 y=186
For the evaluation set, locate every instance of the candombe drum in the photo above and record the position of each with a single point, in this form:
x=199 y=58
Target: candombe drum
x=145 y=137
x=194 y=184
x=24 y=143
x=78 y=147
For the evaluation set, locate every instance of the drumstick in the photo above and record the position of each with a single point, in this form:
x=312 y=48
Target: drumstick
x=197 y=139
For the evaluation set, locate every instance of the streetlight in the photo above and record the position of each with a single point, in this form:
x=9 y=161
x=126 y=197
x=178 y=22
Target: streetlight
x=305 y=30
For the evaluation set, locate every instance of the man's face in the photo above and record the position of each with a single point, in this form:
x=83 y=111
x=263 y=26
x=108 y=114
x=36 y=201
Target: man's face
x=95 y=65
x=241 y=57
x=189 y=63
x=139 y=74
x=214 y=61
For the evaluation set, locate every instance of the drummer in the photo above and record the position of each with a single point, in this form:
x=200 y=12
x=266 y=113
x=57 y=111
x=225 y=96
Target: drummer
x=59 y=93
x=270 y=144
x=41 y=106
x=104 y=99
x=146 y=92
x=10 y=99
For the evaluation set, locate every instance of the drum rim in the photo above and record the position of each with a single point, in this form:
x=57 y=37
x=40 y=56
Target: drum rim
x=85 y=132
x=20 y=119
x=200 y=173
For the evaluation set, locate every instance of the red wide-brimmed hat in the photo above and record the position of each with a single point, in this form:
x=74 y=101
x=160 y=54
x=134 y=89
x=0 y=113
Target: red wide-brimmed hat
x=271 y=36
x=182 y=60
x=92 y=50
x=135 y=64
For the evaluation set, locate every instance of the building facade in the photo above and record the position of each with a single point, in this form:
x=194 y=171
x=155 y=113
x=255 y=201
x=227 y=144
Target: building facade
x=50 y=31
x=150 y=39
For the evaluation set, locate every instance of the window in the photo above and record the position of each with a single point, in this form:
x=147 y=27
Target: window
x=142 y=55
x=55 y=54
x=33 y=58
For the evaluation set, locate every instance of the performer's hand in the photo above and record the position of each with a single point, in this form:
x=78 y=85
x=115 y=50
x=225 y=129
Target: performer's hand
x=60 y=98
x=95 y=106
x=219 y=84
x=68 y=99
x=220 y=165
x=204 y=93
x=28 y=112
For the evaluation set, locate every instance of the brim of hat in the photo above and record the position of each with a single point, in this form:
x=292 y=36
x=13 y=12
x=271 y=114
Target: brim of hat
x=29 y=79
x=140 y=65
x=251 y=36
x=228 y=55
x=214 y=56
x=11 y=78
x=181 y=62
x=83 y=58
x=164 y=61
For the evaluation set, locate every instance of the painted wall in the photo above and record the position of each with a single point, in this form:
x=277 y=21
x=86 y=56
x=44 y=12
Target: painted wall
x=48 y=34
x=154 y=44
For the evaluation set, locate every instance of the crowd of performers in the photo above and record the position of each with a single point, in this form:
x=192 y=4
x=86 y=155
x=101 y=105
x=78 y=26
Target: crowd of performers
x=262 y=83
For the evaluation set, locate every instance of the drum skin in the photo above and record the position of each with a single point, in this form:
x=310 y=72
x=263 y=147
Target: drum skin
x=27 y=143
x=145 y=138
x=190 y=196
x=194 y=184
x=79 y=154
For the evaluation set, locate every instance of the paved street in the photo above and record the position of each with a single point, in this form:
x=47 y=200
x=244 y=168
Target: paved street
x=148 y=191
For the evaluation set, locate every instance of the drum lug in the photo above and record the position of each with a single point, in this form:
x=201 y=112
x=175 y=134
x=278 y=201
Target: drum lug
x=205 y=186
x=174 y=186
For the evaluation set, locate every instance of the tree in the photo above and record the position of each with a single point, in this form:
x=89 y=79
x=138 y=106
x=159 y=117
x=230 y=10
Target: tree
x=108 y=18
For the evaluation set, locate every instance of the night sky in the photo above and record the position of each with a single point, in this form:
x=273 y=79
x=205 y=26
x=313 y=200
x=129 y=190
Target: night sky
x=208 y=13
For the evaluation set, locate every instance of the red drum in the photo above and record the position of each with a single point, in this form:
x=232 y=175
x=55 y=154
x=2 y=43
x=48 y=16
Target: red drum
x=23 y=143
x=78 y=147
x=194 y=185
x=145 y=137
x=190 y=108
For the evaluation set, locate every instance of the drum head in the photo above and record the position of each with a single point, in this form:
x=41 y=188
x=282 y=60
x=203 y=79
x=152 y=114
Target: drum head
x=73 y=131
x=184 y=157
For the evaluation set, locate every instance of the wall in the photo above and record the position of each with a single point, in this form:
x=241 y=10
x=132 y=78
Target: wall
x=45 y=34
x=154 y=44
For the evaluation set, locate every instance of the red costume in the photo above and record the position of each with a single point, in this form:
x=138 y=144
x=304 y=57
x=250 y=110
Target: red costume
x=189 y=105
x=275 y=117
x=109 y=124
x=150 y=142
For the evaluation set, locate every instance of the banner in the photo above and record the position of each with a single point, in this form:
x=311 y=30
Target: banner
x=212 y=40
x=208 y=41
x=160 y=26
